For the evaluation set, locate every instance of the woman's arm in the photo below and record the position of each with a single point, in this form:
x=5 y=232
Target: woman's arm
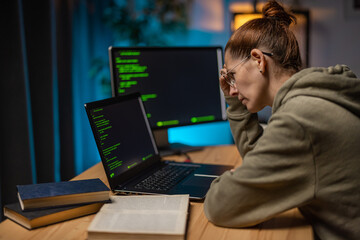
x=244 y=125
x=277 y=175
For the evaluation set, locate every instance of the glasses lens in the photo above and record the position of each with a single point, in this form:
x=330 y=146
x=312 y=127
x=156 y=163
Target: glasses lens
x=230 y=80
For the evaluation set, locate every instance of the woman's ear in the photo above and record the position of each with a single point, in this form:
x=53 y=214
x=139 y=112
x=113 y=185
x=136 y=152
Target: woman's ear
x=259 y=59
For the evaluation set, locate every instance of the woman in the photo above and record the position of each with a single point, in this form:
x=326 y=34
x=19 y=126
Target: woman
x=309 y=154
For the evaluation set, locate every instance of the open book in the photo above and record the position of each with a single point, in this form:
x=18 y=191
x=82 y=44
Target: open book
x=141 y=217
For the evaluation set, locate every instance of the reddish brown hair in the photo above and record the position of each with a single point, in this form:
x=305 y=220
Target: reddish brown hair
x=269 y=33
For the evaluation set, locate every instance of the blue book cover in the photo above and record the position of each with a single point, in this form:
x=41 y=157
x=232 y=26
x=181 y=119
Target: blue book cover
x=62 y=193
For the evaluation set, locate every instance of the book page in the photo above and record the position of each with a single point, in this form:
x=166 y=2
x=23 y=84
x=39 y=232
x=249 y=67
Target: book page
x=164 y=214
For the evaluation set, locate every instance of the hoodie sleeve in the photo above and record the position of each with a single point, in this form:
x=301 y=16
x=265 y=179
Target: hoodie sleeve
x=277 y=175
x=244 y=125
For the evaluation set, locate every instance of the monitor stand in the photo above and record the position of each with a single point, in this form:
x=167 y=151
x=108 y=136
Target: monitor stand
x=166 y=148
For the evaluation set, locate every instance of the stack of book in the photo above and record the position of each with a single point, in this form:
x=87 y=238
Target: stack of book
x=47 y=203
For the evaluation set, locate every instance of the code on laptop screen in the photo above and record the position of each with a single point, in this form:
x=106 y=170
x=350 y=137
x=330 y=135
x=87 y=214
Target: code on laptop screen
x=122 y=135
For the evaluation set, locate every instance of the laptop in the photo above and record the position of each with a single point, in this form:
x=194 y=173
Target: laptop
x=130 y=156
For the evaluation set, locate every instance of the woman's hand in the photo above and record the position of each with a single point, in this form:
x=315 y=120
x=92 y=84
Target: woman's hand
x=225 y=87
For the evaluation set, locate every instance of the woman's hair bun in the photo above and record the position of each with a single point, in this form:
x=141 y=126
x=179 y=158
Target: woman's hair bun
x=273 y=10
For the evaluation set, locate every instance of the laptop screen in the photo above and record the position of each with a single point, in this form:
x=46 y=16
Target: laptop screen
x=122 y=133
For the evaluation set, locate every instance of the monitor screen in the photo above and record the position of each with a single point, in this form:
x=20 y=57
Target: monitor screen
x=178 y=85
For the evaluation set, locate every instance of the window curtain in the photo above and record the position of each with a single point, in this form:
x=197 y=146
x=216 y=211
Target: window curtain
x=36 y=94
x=54 y=59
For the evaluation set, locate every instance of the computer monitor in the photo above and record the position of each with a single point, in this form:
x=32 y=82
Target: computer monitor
x=178 y=85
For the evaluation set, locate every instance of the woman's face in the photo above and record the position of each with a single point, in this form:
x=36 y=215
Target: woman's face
x=250 y=86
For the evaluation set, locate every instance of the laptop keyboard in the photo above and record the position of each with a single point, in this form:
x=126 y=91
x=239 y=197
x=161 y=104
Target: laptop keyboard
x=165 y=178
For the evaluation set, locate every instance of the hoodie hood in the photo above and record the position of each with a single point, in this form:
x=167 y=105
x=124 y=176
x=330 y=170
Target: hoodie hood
x=337 y=84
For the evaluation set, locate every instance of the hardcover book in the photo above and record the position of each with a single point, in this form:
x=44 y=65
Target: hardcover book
x=141 y=217
x=43 y=217
x=45 y=195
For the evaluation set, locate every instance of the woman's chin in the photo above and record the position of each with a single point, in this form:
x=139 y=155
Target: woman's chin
x=251 y=108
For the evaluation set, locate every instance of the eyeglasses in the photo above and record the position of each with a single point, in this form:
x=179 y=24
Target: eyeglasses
x=229 y=76
x=229 y=79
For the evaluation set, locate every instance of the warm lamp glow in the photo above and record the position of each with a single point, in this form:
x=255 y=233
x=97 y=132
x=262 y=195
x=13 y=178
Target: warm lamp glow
x=242 y=7
x=246 y=7
x=240 y=19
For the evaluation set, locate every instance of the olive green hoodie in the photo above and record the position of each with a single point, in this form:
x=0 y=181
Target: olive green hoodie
x=308 y=157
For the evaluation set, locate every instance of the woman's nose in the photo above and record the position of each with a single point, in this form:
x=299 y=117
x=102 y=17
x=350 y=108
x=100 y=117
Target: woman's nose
x=233 y=91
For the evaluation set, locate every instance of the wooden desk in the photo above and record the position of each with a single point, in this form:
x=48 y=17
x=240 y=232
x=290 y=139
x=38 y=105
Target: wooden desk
x=288 y=225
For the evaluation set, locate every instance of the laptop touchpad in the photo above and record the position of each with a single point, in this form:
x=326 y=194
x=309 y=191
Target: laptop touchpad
x=198 y=181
